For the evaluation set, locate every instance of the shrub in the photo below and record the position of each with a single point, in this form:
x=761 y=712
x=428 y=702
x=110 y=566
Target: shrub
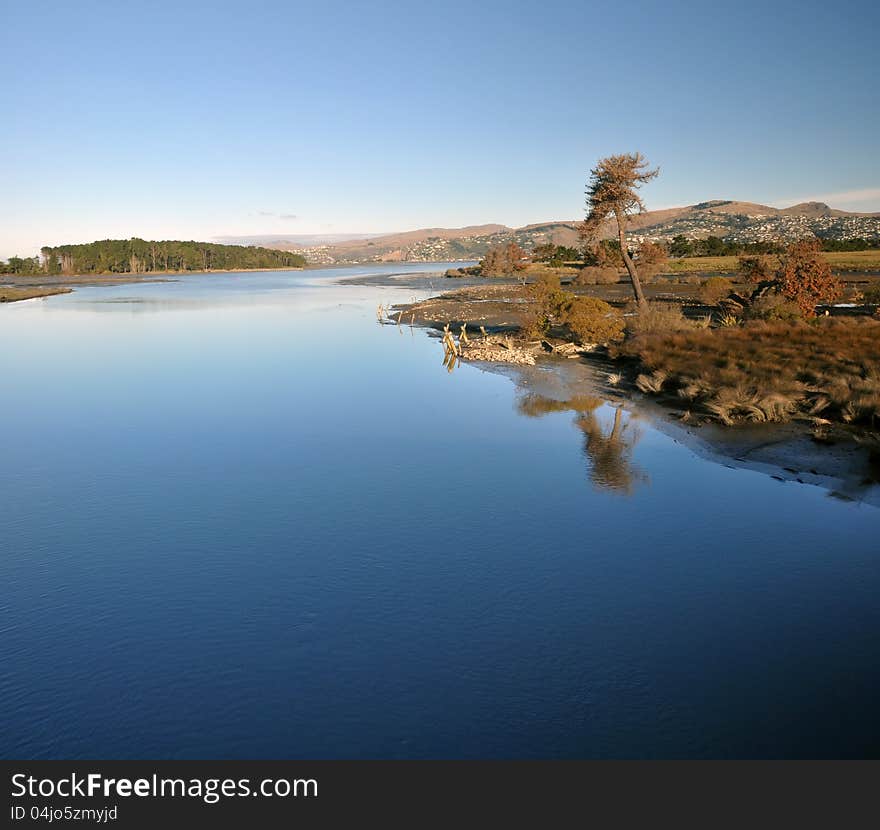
x=755 y=268
x=503 y=260
x=548 y=300
x=547 y=282
x=658 y=318
x=651 y=260
x=605 y=253
x=805 y=276
x=539 y=270
x=714 y=289
x=773 y=308
x=650 y=253
x=871 y=293
x=592 y=320
x=596 y=275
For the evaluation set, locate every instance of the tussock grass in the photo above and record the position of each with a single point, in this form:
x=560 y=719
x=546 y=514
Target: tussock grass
x=652 y=383
x=658 y=318
x=766 y=371
x=714 y=288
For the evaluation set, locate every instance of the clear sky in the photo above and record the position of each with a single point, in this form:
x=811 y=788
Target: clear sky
x=198 y=120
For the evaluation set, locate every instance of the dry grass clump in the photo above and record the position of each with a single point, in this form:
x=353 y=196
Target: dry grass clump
x=658 y=318
x=596 y=275
x=744 y=403
x=714 y=289
x=773 y=308
x=767 y=371
x=653 y=383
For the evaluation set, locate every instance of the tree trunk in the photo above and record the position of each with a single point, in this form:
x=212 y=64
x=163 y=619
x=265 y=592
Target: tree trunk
x=627 y=260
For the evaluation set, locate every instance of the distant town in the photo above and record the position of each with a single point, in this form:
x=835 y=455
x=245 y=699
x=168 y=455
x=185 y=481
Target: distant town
x=716 y=218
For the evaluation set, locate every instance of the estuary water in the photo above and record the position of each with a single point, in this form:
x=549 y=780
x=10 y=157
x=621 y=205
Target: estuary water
x=243 y=520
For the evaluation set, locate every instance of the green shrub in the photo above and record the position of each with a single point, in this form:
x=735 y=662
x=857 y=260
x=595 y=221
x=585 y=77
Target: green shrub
x=547 y=301
x=591 y=320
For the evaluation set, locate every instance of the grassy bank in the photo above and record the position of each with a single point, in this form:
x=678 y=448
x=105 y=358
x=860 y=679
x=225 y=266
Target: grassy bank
x=842 y=260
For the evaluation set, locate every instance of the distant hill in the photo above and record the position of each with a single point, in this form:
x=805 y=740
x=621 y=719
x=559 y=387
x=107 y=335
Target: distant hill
x=294 y=241
x=732 y=221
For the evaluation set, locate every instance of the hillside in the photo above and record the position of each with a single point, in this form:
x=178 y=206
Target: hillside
x=730 y=220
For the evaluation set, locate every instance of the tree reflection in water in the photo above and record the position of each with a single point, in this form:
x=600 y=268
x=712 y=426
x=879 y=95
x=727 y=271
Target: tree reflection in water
x=607 y=448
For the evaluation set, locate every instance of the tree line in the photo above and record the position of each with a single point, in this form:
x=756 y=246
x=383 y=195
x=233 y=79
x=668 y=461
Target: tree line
x=681 y=246
x=139 y=256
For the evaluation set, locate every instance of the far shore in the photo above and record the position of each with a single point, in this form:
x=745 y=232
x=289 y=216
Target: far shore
x=15 y=287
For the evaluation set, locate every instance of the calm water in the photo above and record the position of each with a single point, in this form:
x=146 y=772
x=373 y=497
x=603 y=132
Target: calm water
x=241 y=519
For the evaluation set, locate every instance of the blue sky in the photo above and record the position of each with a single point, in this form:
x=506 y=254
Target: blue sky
x=200 y=120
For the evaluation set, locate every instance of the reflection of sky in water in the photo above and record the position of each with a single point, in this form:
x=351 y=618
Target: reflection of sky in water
x=264 y=525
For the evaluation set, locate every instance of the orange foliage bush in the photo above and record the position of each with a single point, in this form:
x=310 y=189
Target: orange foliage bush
x=805 y=277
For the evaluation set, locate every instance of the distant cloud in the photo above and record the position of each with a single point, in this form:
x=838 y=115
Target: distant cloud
x=842 y=197
x=286 y=216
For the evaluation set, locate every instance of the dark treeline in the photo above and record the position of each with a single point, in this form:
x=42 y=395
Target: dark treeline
x=139 y=256
x=607 y=251
x=681 y=246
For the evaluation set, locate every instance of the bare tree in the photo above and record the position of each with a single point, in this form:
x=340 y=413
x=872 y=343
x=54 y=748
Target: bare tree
x=612 y=192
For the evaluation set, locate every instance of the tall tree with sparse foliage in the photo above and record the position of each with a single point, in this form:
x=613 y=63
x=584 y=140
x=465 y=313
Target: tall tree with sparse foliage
x=612 y=193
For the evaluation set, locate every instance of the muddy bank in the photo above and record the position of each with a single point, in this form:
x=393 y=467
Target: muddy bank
x=20 y=287
x=27 y=286
x=12 y=294
x=49 y=280
x=497 y=308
